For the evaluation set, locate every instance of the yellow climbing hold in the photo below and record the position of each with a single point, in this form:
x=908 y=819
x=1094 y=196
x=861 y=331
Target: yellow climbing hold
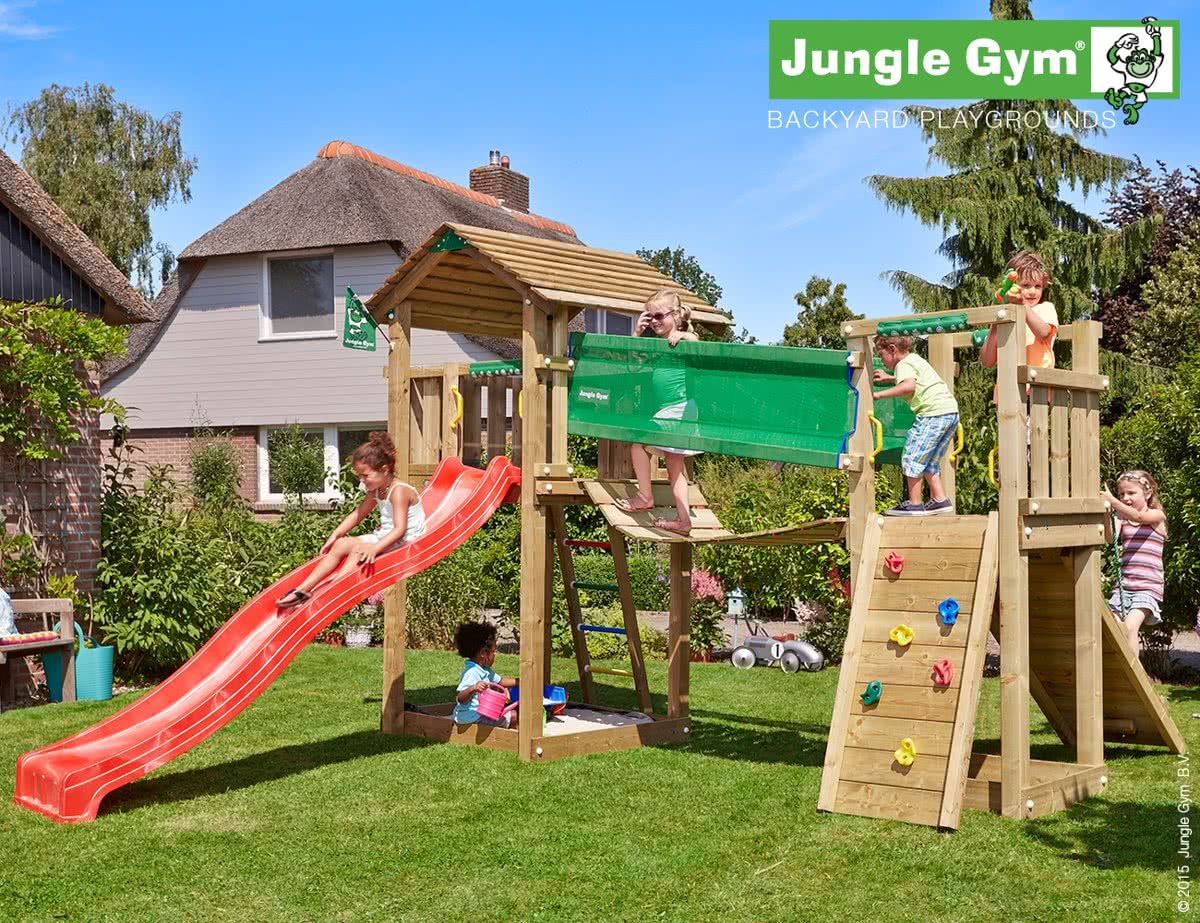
x=902 y=635
x=907 y=752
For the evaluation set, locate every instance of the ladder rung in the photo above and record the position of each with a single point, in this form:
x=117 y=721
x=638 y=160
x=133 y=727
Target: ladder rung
x=603 y=629
x=607 y=671
x=588 y=585
x=588 y=543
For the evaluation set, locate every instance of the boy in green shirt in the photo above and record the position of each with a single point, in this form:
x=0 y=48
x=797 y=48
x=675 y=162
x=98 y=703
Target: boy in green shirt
x=937 y=418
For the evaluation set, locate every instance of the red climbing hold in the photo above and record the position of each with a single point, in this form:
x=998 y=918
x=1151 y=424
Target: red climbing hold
x=894 y=562
x=943 y=673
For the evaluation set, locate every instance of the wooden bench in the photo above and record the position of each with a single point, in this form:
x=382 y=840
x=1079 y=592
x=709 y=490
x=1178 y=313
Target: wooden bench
x=29 y=613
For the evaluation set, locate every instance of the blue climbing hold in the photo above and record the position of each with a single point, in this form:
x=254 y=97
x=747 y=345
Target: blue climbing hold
x=948 y=610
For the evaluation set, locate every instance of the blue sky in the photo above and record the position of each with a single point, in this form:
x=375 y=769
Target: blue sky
x=639 y=124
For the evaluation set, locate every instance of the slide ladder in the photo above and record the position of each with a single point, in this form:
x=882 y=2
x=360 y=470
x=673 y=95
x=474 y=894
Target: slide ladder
x=926 y=655
x=617 y=547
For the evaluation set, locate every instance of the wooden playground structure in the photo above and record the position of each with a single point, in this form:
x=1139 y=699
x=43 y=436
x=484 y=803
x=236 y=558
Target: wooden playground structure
x=1028 y=572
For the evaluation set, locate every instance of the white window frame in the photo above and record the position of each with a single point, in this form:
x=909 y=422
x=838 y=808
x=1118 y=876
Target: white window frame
x=602 y=315
x=265 y=332
x=333 y=461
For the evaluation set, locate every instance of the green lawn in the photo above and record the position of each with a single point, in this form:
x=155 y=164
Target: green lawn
x=301 y=811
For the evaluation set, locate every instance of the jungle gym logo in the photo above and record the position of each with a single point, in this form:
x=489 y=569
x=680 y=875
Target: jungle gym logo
x=1125 y=63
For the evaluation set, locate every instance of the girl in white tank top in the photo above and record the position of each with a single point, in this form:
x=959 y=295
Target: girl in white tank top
x=401 y=519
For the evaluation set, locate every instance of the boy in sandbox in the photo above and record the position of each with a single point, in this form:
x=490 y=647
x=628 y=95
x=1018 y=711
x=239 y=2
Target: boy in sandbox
x=476 y=642
x=937 y=418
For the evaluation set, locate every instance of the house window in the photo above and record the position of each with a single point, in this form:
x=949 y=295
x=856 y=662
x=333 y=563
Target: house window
x=299 y=301
x=338 y=444
x=597 y=320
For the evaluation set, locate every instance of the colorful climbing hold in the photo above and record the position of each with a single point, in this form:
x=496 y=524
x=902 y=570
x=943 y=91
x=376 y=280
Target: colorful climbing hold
x=943 y=673
x=979 y=337
x=894 y=562
x=907 y=752
x=873 y=692
x=902 y=635
x=948 y=610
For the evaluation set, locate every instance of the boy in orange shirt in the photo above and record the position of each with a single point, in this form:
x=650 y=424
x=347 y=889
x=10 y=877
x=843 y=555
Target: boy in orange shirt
x=1041 y=317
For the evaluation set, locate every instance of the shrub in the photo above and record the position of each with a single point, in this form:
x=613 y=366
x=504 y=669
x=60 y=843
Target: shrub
x=215 y=470
x=748 y=496
x=444 y=596
x=706 y=631
x=297 y=462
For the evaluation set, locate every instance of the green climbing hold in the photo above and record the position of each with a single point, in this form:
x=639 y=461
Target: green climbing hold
x=978 y=336
x=873 y=693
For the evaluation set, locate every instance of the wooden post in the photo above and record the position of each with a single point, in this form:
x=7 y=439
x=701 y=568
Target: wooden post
x=1085 y=482
x=941 y=357
x=1014 y=569
x=395 y=600
x=497 y=416
x=472 y=421
x=560 y=383
x=533 y=534
x=862 y=442
x=678 y=649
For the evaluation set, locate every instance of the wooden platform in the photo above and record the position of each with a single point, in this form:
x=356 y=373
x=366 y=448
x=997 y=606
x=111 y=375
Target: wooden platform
x=944 y=557
x=706 y=528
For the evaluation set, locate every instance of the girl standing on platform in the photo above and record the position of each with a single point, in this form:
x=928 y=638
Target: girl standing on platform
x=401 y=519
x=1143 y=529
x=665 y=316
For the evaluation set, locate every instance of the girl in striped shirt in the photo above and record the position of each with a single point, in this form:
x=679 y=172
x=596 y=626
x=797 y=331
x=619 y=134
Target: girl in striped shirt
x=1143 y=529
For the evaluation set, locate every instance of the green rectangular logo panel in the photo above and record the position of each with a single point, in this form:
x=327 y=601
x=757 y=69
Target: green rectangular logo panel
x=973 y=59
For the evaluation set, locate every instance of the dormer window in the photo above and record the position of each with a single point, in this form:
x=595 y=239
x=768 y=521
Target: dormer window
x=298 y=301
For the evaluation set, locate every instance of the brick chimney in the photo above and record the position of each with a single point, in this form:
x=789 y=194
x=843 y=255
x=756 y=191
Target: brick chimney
x=499 y=179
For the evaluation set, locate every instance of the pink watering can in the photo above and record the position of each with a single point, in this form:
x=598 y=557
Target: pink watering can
x=494 y=704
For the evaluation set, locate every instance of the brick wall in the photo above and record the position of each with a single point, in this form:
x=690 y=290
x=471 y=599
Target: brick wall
x=63 y=499
x=174 y=447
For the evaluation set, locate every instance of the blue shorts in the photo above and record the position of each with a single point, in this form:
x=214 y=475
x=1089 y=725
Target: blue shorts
x=927 y=442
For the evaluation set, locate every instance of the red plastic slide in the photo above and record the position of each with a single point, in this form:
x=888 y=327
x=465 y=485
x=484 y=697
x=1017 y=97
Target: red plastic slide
x=66 y=780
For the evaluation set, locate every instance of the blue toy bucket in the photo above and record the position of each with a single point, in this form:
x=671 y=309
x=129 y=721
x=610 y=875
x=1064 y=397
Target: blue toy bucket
x=93 y=672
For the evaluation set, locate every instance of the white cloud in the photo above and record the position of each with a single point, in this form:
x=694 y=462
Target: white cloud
x=14 y=23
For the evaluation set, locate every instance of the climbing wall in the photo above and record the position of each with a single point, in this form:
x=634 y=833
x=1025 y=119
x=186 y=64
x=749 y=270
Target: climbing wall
x=900 y=749
x=1133 y=711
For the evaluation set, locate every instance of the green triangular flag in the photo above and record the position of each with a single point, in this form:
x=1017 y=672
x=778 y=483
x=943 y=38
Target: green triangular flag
x=359 y=329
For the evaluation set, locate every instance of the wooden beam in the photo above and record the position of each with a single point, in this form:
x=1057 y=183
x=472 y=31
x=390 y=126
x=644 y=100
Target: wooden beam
x=1062 y=506
x=527 y=294
x=533 y=536
x=472 y=424
x=395 y=600
x=566 y=564
x=1071 y=379
x=633 y=634
x=712 y=316
x=1014 y=567
x=976 y=317
x=402 y=289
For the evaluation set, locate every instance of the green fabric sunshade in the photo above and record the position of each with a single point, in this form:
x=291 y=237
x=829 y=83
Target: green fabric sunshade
x=771 y=402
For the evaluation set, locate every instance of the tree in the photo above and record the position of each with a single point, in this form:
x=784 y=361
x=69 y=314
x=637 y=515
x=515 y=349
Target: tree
x=823 y=310
x=1003 y=194
x=687 y=271
x=1174 y=199
x=1167 y=331
x=106 y=164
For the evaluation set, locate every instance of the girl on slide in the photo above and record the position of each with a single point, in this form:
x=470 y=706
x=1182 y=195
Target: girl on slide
x=665 y=316
x=401 y=519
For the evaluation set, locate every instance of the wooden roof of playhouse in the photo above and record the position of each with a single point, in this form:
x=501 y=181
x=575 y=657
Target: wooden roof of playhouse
x=467 y=279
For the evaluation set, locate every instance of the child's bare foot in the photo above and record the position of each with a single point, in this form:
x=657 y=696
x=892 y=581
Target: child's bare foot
x=292 y=598
x=682 y=526
x=635 y=504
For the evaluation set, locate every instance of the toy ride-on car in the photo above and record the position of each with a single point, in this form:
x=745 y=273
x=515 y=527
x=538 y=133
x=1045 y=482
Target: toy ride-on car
x=760 y=649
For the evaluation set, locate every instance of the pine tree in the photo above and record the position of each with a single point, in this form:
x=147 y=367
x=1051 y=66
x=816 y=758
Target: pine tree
x=1003 y=193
